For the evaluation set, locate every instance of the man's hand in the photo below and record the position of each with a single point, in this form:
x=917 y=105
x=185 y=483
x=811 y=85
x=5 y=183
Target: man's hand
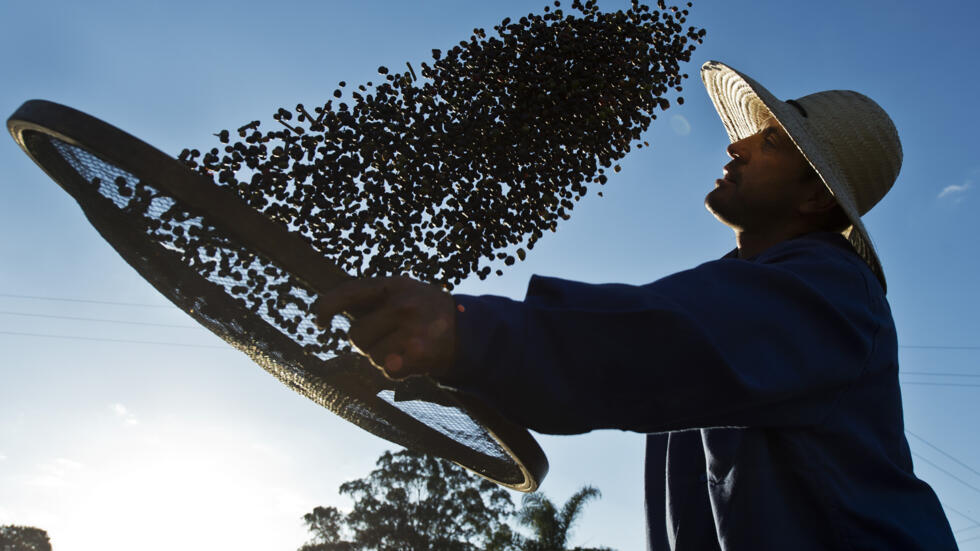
x=403 y=326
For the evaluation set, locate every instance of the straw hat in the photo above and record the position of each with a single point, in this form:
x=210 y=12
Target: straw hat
x=848 y=139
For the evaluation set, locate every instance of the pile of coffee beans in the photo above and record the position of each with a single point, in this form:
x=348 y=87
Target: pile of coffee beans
x=462 y=165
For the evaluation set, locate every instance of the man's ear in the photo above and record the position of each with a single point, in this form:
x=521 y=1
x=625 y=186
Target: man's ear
x=819 y=201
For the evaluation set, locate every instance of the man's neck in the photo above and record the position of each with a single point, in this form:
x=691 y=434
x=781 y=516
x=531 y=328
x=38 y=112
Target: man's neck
x=754 y=243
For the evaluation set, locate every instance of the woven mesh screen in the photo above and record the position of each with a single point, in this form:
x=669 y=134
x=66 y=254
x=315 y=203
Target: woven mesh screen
x=263 y=310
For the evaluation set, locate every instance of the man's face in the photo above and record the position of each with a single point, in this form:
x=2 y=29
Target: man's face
x=764 y=184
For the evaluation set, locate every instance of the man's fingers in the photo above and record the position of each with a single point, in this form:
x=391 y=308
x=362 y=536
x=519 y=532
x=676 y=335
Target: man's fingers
x=405 y=327
x=398 y=354
x=367 y=330
x=351 y=297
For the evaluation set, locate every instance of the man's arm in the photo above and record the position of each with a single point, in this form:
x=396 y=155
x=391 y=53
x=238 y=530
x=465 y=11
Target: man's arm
x=730 y=343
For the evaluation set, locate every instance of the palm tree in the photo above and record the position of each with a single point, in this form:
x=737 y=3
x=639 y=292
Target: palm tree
x=550 y=526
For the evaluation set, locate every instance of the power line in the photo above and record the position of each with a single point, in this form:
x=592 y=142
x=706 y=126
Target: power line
x=63 y=299
x=127 y=322
x=145 y=305
x=933 y=446
x=922 y=383
x=976 y=523
x=101 y=339
x=939 y=347
x=968 y=528
x=958 y=479
x=924 y=373
x=977 y=537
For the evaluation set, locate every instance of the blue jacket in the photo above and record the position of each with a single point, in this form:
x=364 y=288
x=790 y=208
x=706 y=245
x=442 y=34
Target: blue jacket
x=768 y=388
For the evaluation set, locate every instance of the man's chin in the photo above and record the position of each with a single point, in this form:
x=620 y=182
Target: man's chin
x=713 y=202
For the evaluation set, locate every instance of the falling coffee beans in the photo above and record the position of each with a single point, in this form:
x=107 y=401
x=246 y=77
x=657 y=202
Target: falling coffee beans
x=457 y=166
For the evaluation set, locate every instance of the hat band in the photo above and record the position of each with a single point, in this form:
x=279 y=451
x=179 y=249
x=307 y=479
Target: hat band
x=798 y=107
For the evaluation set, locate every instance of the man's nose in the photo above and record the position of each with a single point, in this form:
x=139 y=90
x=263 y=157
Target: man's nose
x=735 y=149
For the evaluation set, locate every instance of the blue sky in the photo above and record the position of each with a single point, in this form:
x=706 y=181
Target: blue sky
x=109 y=443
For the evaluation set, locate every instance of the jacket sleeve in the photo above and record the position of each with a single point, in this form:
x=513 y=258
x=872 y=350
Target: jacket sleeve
x=769 y=342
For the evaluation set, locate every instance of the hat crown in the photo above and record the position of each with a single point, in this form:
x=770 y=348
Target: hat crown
x=858 y=138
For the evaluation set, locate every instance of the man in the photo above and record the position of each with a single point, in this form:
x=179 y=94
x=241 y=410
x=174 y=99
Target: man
x=767 y=381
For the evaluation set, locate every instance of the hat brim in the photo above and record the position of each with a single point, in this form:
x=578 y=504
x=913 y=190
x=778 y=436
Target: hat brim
x=745 y=107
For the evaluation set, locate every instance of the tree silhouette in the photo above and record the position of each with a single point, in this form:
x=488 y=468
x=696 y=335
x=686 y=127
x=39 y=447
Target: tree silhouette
x=550 y=526
x=327 y=525
x=415 y=502
x=23 y=538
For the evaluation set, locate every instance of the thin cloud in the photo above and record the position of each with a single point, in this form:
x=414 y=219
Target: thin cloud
x=955 y=190
x=124 y=414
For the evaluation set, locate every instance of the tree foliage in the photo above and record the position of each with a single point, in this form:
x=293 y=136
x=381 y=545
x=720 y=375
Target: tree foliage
x=415 y=502
x=552 y=527
x=23 y=538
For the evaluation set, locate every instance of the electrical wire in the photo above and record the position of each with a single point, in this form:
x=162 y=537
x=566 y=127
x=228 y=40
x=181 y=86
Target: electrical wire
x=61 y=299
x=976 y=523
x=977 y=537
x=968 y=528
x=938 y=347
x=126 y=322
x=951 y=475
x=102 y=339
x=923 y=383
x=933 y=446
x=933 y=374
x=160 y=343
x=144 y=305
